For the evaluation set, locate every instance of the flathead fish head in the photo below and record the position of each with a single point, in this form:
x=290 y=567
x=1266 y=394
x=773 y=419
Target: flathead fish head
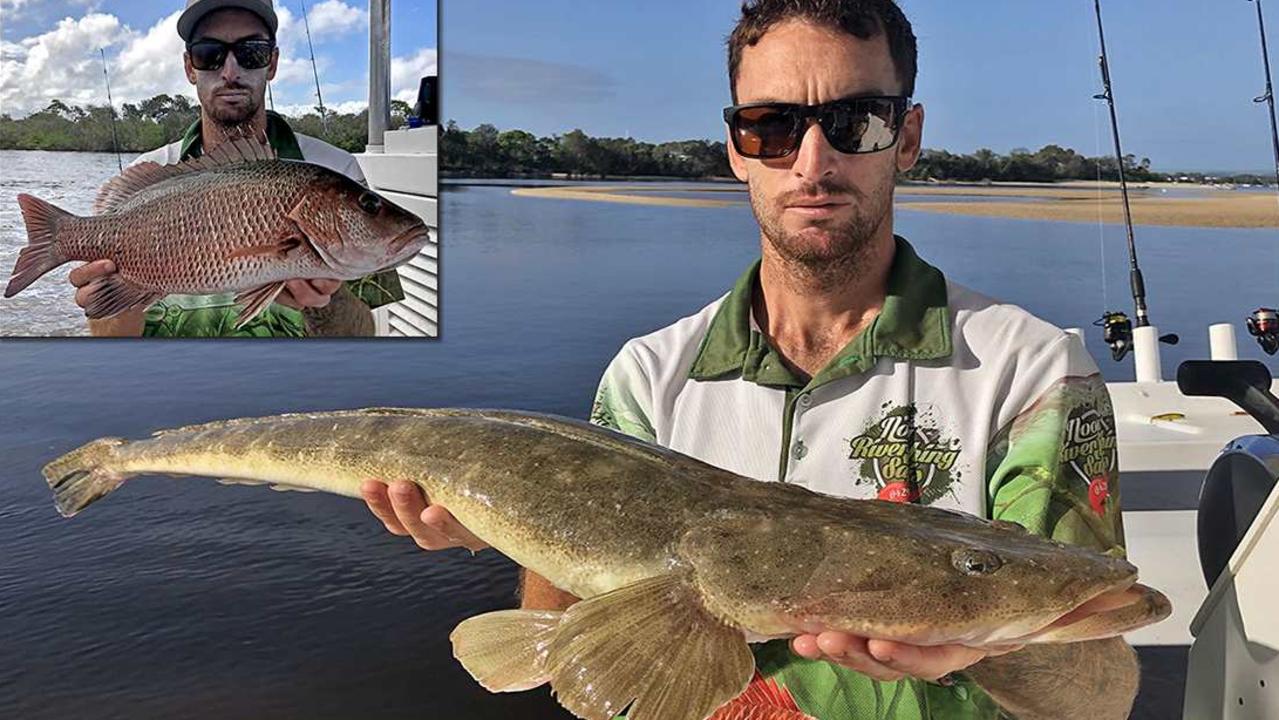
x=912 y=574
x=357 y=231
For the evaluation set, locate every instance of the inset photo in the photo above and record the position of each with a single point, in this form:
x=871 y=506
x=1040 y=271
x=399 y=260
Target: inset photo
x=219 y=168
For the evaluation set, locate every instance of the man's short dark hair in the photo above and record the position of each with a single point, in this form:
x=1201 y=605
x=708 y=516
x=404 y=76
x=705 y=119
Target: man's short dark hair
x=863 y=19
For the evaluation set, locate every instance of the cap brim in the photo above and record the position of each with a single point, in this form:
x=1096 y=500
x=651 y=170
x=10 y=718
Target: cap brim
x=192 y=15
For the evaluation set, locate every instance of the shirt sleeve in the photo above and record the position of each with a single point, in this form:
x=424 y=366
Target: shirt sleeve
x=1054 y=467
x=623 y=401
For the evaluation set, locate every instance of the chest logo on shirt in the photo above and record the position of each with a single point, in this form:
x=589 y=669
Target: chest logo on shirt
x=1089 y=452
x=902 y=438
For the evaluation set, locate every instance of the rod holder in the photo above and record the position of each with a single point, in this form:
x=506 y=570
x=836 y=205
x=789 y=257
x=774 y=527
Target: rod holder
x=1221 y=342
x=1145 y=341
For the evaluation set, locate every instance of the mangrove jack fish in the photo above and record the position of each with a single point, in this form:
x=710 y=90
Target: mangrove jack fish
x=234 y=220
x=680 y=563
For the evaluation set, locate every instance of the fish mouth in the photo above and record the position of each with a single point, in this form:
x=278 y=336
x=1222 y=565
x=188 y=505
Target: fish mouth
x=407 y=243
x=1108 y=614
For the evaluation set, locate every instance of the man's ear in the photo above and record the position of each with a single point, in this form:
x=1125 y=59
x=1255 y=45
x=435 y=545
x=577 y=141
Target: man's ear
x=736 y=161
x=275 y=63
x=186 y=64
x=910 y=139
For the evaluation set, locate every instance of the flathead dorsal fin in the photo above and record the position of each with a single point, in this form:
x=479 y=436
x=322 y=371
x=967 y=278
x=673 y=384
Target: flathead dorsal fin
x=123 y=187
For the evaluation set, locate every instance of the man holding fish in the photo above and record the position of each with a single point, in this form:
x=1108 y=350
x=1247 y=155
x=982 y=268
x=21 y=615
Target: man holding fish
x=844 y=363
x=230 y=57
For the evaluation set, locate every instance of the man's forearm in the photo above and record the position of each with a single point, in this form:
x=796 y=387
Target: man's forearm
x=1095 y=680
x=129 y=323
x=344 y=316
x=536 y=593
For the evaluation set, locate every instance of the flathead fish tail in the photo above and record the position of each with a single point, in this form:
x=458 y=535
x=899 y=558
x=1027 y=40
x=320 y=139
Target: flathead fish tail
x=41 y=253
x=83 y=475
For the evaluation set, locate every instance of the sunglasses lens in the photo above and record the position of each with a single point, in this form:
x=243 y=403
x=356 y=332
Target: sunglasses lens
x=764 y=132
x=249 y=54
x=862 y=126
x=253 y=54
x=207 y=55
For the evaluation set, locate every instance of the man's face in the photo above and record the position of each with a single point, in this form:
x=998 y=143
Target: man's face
x=231 y=95
x=818 y=206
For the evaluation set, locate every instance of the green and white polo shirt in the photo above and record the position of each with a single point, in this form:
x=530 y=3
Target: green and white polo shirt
x=948 y=398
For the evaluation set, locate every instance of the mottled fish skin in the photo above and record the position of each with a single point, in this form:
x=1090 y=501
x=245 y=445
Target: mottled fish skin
x=593 y=511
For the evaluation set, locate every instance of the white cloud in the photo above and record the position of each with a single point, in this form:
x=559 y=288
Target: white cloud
x=151 y=63
x=407 y=72
x=12 y=51
x=334 y=17
x=344 y=107
x=62 y=63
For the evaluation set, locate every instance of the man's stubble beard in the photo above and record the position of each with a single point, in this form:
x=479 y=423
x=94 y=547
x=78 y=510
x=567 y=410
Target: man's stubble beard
x=232 y=122
x=236 y=123
x=830 y=264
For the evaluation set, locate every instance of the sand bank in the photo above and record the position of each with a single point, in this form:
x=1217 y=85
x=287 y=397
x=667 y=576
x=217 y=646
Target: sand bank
x=1068 y=202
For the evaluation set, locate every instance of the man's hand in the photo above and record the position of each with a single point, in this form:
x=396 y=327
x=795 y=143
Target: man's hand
x=404 y=510
x=84 y=277
x=124 y=324
x=887 y=660
x=302 y=294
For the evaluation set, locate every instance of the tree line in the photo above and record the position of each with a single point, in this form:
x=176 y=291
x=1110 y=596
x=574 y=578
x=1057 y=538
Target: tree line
x=486 y=151
x=489 y=152
x=158 y=121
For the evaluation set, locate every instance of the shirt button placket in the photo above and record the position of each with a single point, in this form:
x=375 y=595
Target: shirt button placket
x=798 y=450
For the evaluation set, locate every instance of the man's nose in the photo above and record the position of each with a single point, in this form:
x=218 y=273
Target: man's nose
x=815 y=157
x=230 y=69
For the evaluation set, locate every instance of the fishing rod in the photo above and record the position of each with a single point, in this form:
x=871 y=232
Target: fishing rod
x=324 y=116
x=1116 y=327
x=115 y=142
x=1263 y=323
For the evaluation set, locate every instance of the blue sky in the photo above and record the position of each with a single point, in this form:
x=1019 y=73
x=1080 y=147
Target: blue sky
x=993 y=73
x=48 y=48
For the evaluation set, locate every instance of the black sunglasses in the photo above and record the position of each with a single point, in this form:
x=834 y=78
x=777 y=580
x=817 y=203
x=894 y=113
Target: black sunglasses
x=764 y=131
x=251 y=54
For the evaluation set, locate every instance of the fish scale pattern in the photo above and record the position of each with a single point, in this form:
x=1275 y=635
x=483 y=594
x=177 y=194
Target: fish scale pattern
x=207 y=232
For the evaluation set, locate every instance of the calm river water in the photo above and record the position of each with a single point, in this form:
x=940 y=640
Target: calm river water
x=184 y=598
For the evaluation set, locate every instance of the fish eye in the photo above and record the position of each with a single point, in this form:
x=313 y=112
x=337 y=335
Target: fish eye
x=971 y=561
x=369 y=202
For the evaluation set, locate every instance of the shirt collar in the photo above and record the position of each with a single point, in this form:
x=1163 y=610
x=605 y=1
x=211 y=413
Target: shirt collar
x=278 y=134
x=914 y=324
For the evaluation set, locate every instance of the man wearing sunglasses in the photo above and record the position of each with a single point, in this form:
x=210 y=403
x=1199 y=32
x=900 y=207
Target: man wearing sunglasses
x=230 y=57
x=845 y=363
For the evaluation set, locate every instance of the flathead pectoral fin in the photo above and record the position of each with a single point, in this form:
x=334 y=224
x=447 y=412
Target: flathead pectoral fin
x=1108 y=616
x=505 y=651
x=255 y=301
x=650 y=645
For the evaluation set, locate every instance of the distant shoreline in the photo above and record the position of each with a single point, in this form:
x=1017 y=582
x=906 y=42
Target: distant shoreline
x=1063 y=202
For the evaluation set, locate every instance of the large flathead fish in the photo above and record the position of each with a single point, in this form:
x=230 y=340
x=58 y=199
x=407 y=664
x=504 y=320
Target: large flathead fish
x=681 y=564
x=235 y=220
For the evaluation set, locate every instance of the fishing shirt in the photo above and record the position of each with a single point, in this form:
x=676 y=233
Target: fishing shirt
x=949 y=398
x=215 y=315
